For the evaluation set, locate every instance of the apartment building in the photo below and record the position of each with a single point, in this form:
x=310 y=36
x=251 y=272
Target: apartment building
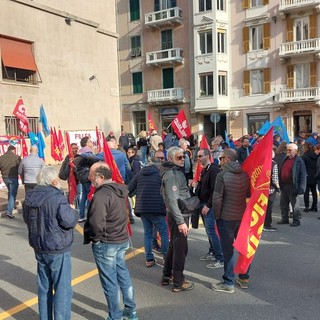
x=63 y=55
x=275 y=65
x=155 y=61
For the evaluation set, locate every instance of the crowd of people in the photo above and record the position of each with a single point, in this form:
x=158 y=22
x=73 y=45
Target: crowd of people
x=157 y=170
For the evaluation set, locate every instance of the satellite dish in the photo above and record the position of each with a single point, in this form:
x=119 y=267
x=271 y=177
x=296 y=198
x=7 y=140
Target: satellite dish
x=215 y=117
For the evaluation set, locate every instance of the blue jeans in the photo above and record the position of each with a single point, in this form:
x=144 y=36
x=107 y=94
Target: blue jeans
x=150 y=220
x=143 y=150
x=209 y=223
x=114 y=276
x=54 y=273
x=228 y=230
x=84 y=199
x=12 y=186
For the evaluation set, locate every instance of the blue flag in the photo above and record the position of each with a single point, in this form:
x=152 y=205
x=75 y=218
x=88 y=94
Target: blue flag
x=279 y=128
x=265 y=128
x=44 y=121
x=33 y=138
x=41 y=145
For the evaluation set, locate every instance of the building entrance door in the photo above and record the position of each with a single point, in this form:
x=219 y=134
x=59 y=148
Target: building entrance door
x=302 y=122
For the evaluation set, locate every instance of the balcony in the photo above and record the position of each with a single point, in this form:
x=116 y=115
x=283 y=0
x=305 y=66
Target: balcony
x=166 y=95
x=299 y=47
x=158 y=19
x=297 y=5
x=298 y=95
x=169 y=56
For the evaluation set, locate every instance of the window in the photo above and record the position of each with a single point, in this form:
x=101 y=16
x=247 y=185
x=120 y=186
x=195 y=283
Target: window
x=256 y=121
x=222 y=41
x=205 y=5
x=222 y=83
x=12 y=125
x=135 y=46
x=302 y=29
x=256 y=38
x=166 y=39
x=205 y=42
x=256 y=3
x=167 y=78
x=18 y=63
x=256 y=81
x=164 y=4
x=206 y=84
x=134 y=10
x=247 y=4
x=221 y=5
x=137 y=82
x=139 y=121
x=302 y=76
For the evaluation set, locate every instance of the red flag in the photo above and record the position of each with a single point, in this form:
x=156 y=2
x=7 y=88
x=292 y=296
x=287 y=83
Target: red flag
x=72 y=184
x=98 y=139
x=24 y=148
x=151 y=125
x=181 y=126
x=61 y=143
x=55 y=149
x=20 y=113
x=203 y=145
x=258 y=167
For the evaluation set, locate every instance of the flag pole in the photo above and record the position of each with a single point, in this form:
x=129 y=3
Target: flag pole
x=169 y=125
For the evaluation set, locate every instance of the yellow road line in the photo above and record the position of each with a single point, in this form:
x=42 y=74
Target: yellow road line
x=86 y=276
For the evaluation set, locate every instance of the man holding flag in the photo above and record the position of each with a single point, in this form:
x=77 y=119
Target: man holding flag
x=232 y=187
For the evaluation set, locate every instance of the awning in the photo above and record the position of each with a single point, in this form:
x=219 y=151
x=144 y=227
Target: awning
x=17 y=54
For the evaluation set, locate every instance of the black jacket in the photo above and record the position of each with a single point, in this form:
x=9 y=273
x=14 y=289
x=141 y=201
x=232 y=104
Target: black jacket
x=146 y=186
x=50 y=220
x=242 y=153
x=107 y=215
x=310 y=160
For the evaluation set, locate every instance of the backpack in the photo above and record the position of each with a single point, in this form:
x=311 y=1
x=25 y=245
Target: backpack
x=64 y=170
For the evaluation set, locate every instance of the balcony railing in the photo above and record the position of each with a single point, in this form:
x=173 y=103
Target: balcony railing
x=165 y=56
x=301 y=94
x=165 y=95
x=164 y=17
x=304 y=46
x=286 y=5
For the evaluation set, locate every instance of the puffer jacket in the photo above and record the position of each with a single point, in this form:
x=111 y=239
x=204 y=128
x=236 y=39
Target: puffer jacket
x=29 y=168
x=146 y=186
x=174 y=187
x=231 y=189
x=107 y=215
x=50 y=220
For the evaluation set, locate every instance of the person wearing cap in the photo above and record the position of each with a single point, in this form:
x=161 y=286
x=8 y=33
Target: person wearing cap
x=9 y=163
x=154 y=141
x=313 y=139
x=110 y=136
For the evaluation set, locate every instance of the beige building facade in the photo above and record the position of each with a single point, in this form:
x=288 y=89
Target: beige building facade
x=63 y=55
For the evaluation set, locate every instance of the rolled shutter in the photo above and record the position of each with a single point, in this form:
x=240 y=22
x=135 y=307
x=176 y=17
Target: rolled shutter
x=246 y=82
x=313 y=26
x=266 y=80
x=290 y=76
x=245 y=43
x=313 y=74
x=289 y=30
x=266 y=36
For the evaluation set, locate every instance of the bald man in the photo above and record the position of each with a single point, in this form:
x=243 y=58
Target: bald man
x=29 y=168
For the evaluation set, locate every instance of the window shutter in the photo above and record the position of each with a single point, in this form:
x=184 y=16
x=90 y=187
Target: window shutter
x=245 y=4
x=290 y=76
x=265 y=2
x=246 y=82
x=289 y=30
x=313 y=26
x=266 y=36
x=156 y=5
x=245 y=43
x=313 y=74
x=266 y=80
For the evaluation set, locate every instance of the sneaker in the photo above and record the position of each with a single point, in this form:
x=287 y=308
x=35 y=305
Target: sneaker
x=156 y=249
x=150 y=263
x=129 y=315
x=221 y=287
x=295 y=223
x=215 y=265
x=283 y=222
x=186 y=286
x=270 y=228
x=9 y=215
x=82 y=219
x=306 y=210
x=166 y=281
x=243 y=283
x=207 y=257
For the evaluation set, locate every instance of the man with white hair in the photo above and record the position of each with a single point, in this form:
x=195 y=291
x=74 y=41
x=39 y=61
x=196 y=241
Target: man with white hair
x=293 y=181
x=29 y=168
x=50 y=220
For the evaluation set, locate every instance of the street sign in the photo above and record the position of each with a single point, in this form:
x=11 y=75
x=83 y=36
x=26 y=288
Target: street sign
x=215 y=117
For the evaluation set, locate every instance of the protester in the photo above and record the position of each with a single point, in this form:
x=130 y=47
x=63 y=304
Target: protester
x=29 y=168
x=313 y=139
x=124 y=142
x=134 y=160
x=292 y=182
x=110 y=136
x=174 y=186
x=244 y=151
x=143 y=146
x=216 y=149
x=187 y=168
x=166 y=139
x=231 y=189
x=154 y=140
x=106 y=229
x=9 y=164
x=50 y=221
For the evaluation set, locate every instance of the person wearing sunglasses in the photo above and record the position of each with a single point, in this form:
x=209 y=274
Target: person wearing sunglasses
x=174 y=187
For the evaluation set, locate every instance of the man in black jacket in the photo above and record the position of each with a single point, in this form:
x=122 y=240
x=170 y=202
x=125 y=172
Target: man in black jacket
x=106 y=229
x=204 y=190
x=244 y=150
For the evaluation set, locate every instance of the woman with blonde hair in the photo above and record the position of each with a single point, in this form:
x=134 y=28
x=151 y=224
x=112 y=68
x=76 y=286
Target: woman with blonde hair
x=143 y=146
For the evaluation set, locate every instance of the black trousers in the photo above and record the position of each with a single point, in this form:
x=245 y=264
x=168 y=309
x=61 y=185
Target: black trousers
x=268 y=218
x=286 y=198
x=313 y=189
x=176 y=254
